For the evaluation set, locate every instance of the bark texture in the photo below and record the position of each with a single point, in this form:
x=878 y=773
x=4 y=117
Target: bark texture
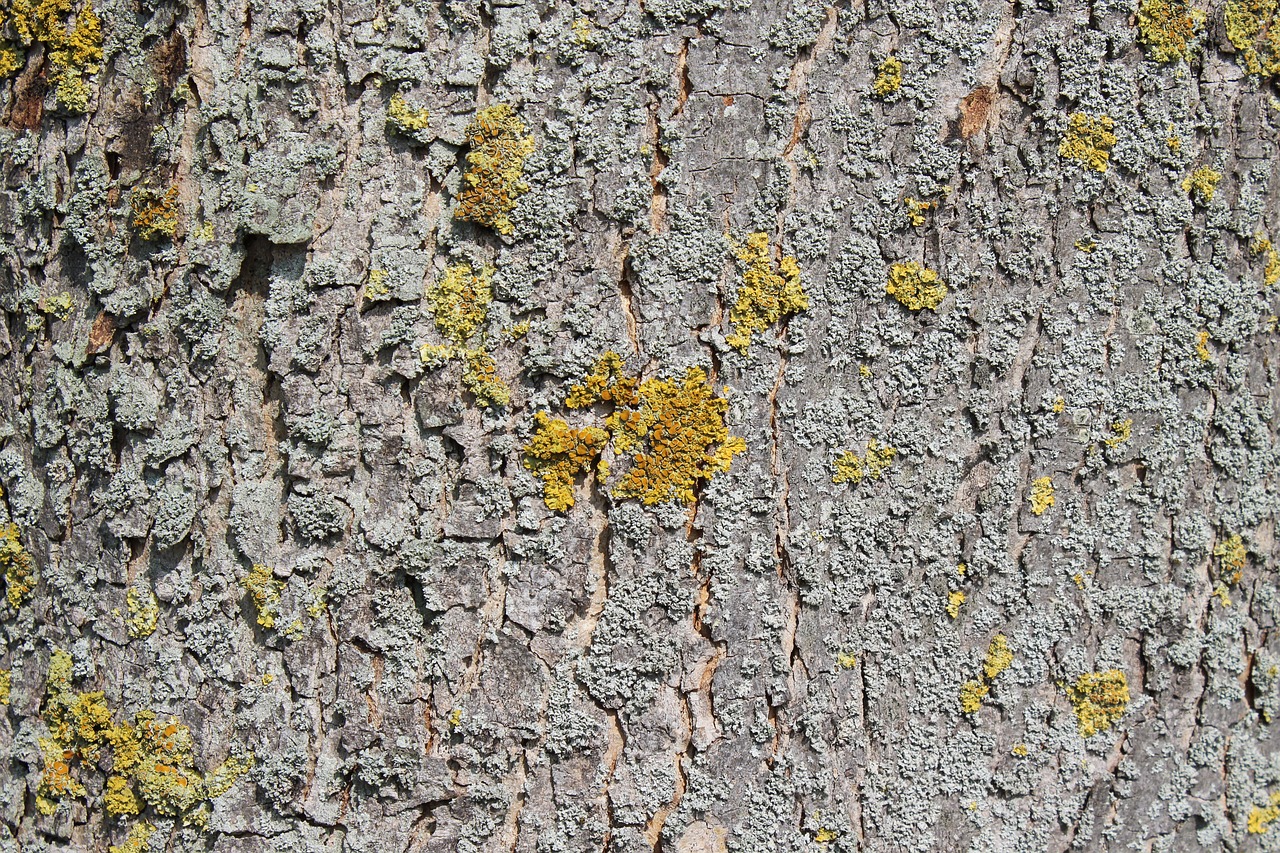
x=252 y=505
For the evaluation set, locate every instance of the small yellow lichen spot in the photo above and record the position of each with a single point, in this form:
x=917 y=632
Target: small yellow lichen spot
x=1174 y=143
x=1232 y=556
x=1088 y=140
x=1167 y=28
x=1253 y=26
x=144 y=612
x=264 y=590
x=1261 y=817
x=1121 y=431
x=6 y=685
x=915 y=286
x=826 y=836
x=1042 y=494
x=436 y=355
x=1202 y=184
x=404 y=118
x=455 y=717
x=1271 y=272
x=848 y=467
x=1020 y=750
x=971 y=695
x=864 y=371
x=518 y=331
x=847 y=660
x=557 y=453
x=480 y=377
x=1079 y=579
x=606 y=382
x=916 y=210
x=1223 y=595
x=318 y=604
x=888 y=77
x=962 y=570
x=1086 y=244
x=999 y=657
x=1059 y=406
x=1099 y=700
x=155 y=215
x=58 y=306
x=851 y=468
x=495 y=165
x=377 y=288
x=954 y=601
x=584 y=33
x=19 y=568
x=765 y=297
x=1202 y=347
x=268 y=679
x=137 y=842
x=460 y=301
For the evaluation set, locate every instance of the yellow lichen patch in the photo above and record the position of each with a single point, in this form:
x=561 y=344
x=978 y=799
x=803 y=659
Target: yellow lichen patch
x=74 y=47
x=59 y=306
x=1261 y=817
x=971 y=695
x=847 y=660
x=1059 y=406
x=764 y=297
x=377 y=287
x=606 y=382
x=6 y=685
x=144 y=612
x=1020 y=750
x=264 y=590
x=1253 y=27
x=916 y=210
x=1042 y=495
x=1088 y=140
x=1271 y=272
x=1202 y=184
x=404 y=118
x=119 y=799
x=678 y=435
x=1099 y=700
x=888 y=77
x=460 y=301
x=584 y=32
x=19 y=568
x=825 y=836
x=1167 y=28
x=851 y=468
x=137 y=840
x=1202 y=347
x=557 y=453
x=954 y=602
x=499 y=146
x=1232 y=556
x=155 y=215
x=915 y=286
x=998 y=657
x=480 y=377
x=1121 y=431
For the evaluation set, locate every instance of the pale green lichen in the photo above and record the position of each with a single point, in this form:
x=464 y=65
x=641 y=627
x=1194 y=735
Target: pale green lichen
x=1088 y=140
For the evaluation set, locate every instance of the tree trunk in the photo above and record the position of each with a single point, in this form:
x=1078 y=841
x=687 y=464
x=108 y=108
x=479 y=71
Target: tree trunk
x=939 y=485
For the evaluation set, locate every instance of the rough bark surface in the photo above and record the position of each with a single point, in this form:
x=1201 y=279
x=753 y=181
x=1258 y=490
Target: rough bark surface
x=452 y=665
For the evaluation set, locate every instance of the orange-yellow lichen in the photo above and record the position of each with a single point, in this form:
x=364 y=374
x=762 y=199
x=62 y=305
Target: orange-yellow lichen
x=155 y=215
x=1232 y=556
x=1271 y=272
x=495 y=164
x=1168 y=27
x=480 y=377
x=606 y=382
x=558 y=453
x=1202 y=347
x=765 y=297
x=137 y=840
x=264 y=590
x=404 y=118
x=74 y=49
x=916 y=210
x=1099 y=700
x=1253 y=27
x=19 y=568
x=1088 y=140
x=954 y=601
x=915 y=286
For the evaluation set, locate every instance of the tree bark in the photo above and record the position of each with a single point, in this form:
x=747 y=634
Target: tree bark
x=255 y=507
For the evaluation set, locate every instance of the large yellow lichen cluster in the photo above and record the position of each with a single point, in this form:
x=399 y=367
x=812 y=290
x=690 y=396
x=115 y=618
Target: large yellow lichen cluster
x=1271 y=272
x=888 y=77
x=155 y=215
x=1088 y=140
x=149 y=762
x=19 y=569
x=1253 y=27
x=765 y=296
x=1168 y=27
x=264 y=590
x=673 y=430
x=1042 y=495
x=1202 y=184
x=1099 y=700
x=495 y=165
x=460 y=302
x=72 y=41
x=915 y=286
x=1261 y=817
x=851 y=468
x=1232 y=556
x=999 y=657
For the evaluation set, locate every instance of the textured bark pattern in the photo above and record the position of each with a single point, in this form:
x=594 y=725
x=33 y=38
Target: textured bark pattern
x=771 y=669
